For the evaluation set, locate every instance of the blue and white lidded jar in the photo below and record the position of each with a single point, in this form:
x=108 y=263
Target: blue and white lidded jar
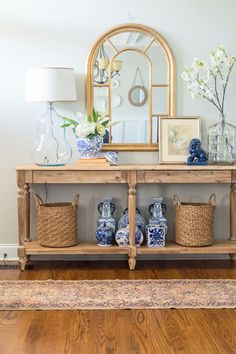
x=90 y=148
x=122 y=237
x=104 y=236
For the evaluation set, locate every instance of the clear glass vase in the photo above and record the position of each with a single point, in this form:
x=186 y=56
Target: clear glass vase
x=50 y=146
x=222 y=142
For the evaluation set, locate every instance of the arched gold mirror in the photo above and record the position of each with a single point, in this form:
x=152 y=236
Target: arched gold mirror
x=133 y=101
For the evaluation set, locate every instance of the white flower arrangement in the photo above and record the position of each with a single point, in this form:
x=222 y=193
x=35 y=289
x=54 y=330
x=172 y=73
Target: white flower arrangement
x=94 y=124
x=210 y=80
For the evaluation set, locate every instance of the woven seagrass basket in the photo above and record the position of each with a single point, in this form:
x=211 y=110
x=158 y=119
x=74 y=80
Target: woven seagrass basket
x=194 y=223
x=57 y=223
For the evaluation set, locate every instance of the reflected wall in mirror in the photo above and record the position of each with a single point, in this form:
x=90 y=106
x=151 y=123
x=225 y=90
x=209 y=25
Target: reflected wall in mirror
x=131 y=76
x=138 y=93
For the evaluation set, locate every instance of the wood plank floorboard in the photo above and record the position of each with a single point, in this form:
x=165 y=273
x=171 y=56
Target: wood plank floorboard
x=120 y=331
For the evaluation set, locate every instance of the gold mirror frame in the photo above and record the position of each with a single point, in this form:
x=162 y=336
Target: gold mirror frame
x=170 y=85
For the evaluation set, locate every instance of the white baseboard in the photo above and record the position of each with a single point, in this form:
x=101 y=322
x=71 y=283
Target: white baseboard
x=11 y=251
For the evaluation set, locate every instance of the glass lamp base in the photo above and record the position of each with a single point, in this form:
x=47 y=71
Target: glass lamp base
x=50 y=146
x=49 y=165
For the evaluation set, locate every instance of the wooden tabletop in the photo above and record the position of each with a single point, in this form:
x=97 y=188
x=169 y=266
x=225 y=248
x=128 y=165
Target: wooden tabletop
x=133 y=167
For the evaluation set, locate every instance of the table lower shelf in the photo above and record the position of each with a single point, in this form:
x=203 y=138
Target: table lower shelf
x=33 y=247
x=172 y=247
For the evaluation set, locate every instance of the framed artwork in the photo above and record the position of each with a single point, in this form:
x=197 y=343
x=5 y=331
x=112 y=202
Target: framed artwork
x=175 y=134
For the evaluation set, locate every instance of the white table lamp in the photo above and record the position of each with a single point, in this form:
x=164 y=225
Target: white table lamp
x=50 y=84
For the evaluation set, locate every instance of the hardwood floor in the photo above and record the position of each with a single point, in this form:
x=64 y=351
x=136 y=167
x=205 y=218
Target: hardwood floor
x=120 y=332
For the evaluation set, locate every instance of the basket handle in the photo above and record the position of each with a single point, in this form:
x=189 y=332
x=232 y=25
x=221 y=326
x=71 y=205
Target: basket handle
x=177 y=201
x=75 y=201
x=38 y=200
x=212 y=200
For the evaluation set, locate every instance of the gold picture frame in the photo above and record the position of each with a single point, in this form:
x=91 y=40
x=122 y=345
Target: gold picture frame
x=175 y=134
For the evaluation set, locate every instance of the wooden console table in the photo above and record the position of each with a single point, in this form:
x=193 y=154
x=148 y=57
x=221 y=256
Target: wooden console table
x=125 y=174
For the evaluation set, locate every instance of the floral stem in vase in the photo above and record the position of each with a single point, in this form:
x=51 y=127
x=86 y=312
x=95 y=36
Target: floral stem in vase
x=210 y=81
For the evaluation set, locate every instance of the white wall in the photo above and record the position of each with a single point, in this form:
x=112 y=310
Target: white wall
x=61 y=33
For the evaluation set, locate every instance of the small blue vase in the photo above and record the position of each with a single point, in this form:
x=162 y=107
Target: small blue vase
x=90 y=147
x=104 y=236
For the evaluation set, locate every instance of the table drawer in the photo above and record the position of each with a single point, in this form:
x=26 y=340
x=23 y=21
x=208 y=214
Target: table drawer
x=79 y=177
x=184 y=176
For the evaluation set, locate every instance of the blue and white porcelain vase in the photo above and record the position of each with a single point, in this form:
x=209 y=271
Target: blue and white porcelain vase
x=90 y=147
x=112 y=157
x=155 y=235
x=122 y=237
x=157 y=210
x=156 y=230
x=104 y=236
x=106 y=211
x=139 y=220
x=106 y=225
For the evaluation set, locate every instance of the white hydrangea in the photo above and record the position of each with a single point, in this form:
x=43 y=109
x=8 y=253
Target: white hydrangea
x=84 y=129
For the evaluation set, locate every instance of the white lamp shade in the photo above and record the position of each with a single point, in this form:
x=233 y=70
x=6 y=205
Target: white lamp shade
x=50 y=85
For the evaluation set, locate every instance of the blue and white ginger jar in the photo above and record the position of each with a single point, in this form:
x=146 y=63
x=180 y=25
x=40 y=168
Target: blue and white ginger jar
x=104 y=236
x=122 y=237
x=90 y=147
x=112 y=157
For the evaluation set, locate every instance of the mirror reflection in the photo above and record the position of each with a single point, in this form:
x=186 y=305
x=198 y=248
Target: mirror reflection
x=133 y=120
x=138 y=95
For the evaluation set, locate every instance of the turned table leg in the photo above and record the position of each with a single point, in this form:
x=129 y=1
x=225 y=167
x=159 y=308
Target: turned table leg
x=22 y=257
x=233 y=212
x=132 y=216
x=23 y=202
x=132 y=257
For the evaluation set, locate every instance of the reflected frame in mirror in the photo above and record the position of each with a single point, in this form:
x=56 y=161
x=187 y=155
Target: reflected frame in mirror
x=170 y=84
x=137 y=103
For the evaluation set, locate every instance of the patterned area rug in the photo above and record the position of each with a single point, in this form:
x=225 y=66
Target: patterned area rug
x=117 y=294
